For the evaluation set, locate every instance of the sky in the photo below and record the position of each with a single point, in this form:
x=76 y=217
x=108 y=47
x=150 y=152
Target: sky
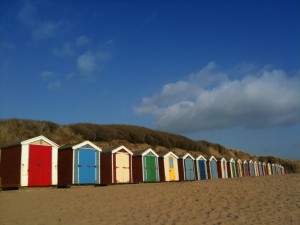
x=223 y=71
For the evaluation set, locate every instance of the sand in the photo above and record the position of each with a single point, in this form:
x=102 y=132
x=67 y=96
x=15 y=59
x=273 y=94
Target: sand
x=248 y=200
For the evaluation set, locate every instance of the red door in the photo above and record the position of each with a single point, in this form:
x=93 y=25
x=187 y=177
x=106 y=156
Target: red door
x=40 y=165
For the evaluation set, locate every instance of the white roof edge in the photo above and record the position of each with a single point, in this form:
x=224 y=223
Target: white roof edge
x=121 y=147
x=41 y=137
x=170 y=153
x=149 y=150
x=201 y=157
x=231 y=160
x=188 y=154
x=212 y=157
x=86 y=143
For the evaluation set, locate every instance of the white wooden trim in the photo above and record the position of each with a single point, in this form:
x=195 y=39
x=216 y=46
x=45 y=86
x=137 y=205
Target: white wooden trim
x=201 y=157
x=86 y=143
x=54 y=165
x=188 y=155
x=24 y=165
x=120 y=148
x=170 y=153
x=213 y=158
x=41 y=137
x=149 y=150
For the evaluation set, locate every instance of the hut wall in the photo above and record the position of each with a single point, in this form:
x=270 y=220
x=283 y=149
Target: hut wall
x=137 y=169
x=196 y=170
x=229 y=172
x=65 y=167
x=10 y=166
x=106 y=168
x=181 y=169
x=208 y=170
x=161 y=169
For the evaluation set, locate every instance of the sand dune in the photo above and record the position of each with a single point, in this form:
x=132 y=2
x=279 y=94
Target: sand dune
x=248 y=200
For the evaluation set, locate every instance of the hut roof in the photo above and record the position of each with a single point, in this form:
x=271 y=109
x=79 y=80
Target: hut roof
x=163 y=154
x=79 y=145
x=116 y=149
x=145 y=152
x=212 y=158
x=28 y=141
x=201 y=157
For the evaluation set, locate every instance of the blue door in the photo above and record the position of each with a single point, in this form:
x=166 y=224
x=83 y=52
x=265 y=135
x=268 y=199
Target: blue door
x=202 y=169
x=214 y=171
x=189 y=169
x=251 y=170
x=87 y=166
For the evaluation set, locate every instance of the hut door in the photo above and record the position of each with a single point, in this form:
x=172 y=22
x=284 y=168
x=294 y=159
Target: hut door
x=224 y=170
x=189 y=169
x=214 y=169
x=233 y=173
x=150 y=168
x=201 y=164
x=171 y=169
x=40 y=165
x=87 y=166
x=122 y=168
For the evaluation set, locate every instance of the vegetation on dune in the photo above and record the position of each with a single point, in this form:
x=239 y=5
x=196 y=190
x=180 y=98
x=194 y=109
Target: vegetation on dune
x=12 y=130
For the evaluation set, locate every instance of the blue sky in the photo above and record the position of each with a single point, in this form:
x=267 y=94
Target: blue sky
x=223 y=71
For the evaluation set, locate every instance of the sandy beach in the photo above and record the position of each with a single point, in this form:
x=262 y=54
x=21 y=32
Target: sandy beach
x=248 y=200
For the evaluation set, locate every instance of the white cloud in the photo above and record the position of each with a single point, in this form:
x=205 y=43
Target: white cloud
x=82 y=41
x=46 y=74
x=94 y=60
x=51 y=79
x=40 y=29
x=66 y=50
x=54 y=85
x=210 y=100
x=87 y=62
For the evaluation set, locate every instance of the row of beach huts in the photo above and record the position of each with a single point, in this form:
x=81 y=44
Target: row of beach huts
x=41 y=162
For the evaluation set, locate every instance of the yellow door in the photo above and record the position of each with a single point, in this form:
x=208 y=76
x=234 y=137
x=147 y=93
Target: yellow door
x=171 y=169
x=122 y=167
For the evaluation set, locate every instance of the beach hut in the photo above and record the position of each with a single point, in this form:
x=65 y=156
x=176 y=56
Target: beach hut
x=282 y=170
x=79 y=164
x=186 y=167
x=29 y=163
x=168 y=167
x=222 y=168
x=277 y=169
x=239 y=168
x=265 y=169
x=273 y=169
x=231 y=168
x=269 y=169
x=116 y=165
x=256 y=173
x=145 y=166
x=212 y=169
x=246 y=168
x=251 y=168
x=201 y=167
x=260 y=169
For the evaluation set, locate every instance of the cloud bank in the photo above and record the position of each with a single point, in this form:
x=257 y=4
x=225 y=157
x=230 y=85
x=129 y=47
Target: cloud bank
x=209 y=100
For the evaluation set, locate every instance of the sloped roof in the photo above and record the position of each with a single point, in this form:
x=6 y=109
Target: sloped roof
x=116 y=149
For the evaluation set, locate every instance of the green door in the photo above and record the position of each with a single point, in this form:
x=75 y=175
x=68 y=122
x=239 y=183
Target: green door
x=150 y=168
